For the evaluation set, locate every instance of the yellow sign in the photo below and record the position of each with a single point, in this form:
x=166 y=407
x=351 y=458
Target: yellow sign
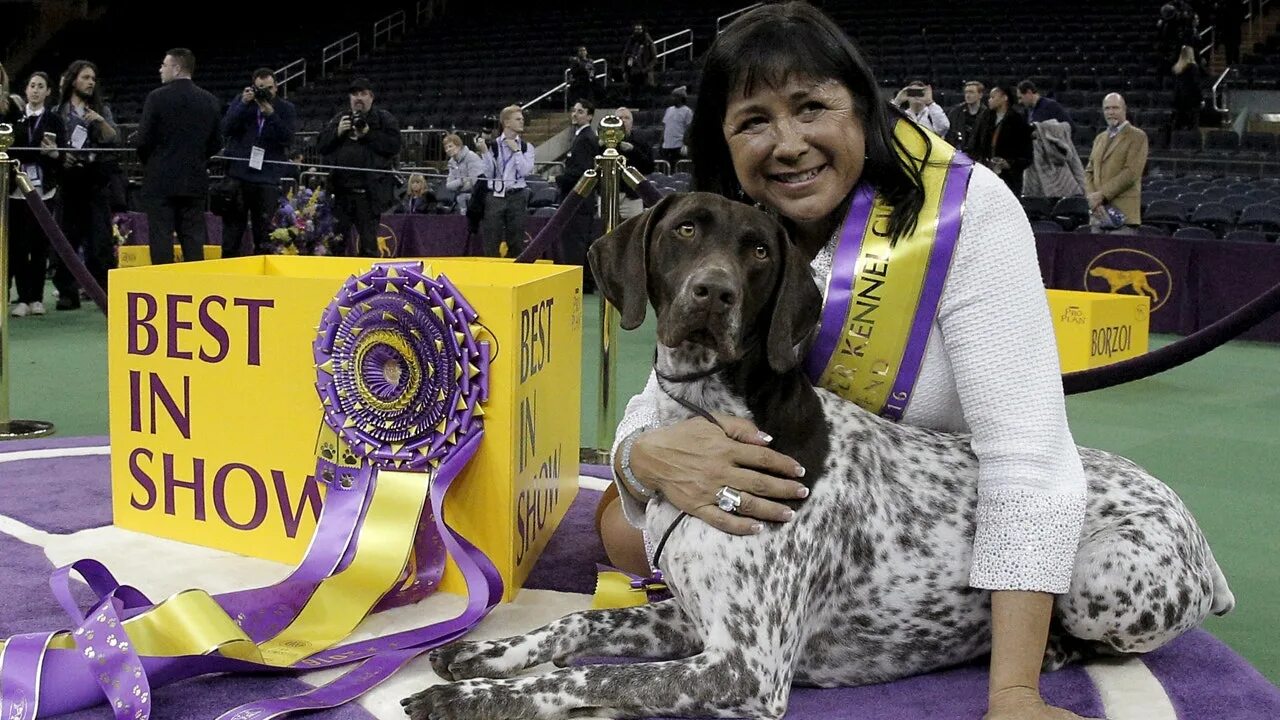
x=1096 y=329
x=214 y=412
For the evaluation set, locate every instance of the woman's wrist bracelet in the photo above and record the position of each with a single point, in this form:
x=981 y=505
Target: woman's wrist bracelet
x=628 y=476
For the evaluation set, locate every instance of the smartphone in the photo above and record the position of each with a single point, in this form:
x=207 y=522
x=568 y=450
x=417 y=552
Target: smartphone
x=51 y=137
x=917 y=92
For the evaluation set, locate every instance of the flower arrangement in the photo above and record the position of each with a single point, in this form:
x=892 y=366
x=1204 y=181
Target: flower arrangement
x=304 y=223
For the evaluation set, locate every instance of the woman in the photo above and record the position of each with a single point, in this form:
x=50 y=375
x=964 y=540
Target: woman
x=465 y=168
x=35 y=126
x=417 y=200
x=790 y=117
x=1188 y=90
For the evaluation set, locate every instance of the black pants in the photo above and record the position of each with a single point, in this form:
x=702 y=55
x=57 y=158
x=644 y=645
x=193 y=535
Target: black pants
x=576 y=239
x=355 y=208
x=181 y=214
x=504 y=220
x=672 y=156
x=28 y=252
x=86 y=221
x=255 y=206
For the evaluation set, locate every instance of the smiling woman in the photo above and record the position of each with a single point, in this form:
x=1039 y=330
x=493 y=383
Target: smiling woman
x=791 y=118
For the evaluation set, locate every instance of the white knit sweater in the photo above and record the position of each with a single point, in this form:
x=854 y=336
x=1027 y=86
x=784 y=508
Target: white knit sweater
x=990 y=368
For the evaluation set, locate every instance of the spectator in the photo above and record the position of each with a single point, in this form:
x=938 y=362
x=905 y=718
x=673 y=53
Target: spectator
x=1114 y=176
x=418 y=200
x=1188 y=90
x=1040 y=108
x=638 y=59
x=1004 y=139
x=582 y=76
x=921 y=108
x=638 y=156
x=506 y=163
x=1227 y=20
x=368 y=138
x=1175 y=28
x=259 y=128
x=465 y=167
x=965 y=117
x=581 y=158
x=675 y=125
x=35 y=126
x=1055 y=170
x=86 y=183
x=178 y=134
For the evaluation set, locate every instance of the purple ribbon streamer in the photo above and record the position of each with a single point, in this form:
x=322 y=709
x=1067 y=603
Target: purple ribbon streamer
x=844 y=268
x=65 y=251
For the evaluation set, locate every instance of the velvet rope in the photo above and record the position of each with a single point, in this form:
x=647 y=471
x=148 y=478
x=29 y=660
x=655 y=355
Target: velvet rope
x=551 y=231
x=64 y=249
x=1177 y=353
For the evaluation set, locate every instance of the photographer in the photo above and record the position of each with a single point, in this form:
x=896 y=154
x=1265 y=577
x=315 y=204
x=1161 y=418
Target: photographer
x=259 y=128
x=91 y=183
x=921 y=108
x=506 y=164
x=364 y=137
x=582 y=74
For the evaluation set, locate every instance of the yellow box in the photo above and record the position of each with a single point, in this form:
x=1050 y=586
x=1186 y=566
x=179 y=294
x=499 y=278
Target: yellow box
x=214 y=411
x=139 y=255
x=1096 y=329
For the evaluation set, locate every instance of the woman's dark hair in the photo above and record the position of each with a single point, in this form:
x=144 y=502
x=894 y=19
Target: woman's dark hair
x=94 y=101
x=43 y=76
x=771 y=44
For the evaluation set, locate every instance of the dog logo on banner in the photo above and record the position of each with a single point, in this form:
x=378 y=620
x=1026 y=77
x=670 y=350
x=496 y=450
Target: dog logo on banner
x=1125 y=269
x=389 y=244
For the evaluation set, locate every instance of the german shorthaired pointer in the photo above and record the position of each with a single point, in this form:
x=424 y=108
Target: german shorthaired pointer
x=869 y=581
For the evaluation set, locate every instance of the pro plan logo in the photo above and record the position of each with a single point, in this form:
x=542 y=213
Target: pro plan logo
x=388 y=244
x=1125 y=271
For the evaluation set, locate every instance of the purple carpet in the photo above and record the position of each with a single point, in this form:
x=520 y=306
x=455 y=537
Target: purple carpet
x=1203 y=679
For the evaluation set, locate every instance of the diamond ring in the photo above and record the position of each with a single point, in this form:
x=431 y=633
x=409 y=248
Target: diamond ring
x=728 y=499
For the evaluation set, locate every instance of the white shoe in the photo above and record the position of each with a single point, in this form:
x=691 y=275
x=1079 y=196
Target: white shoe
x=20 y=310
x=37 y=308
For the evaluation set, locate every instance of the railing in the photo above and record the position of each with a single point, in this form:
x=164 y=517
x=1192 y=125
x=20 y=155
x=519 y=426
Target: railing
x=296 y=70
x=423 y=12
x=383 y=29
x=1219 y=91
x=340 y=51
x=1206 y=46
x=723 y=21
x=685 y=36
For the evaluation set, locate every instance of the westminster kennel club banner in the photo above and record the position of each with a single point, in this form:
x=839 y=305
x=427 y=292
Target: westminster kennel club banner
x=240 y=422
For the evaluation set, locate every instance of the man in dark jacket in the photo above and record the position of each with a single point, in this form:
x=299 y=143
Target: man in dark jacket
x=178 y=134
x=259 y=128
x=363 y=137
x=581 y=158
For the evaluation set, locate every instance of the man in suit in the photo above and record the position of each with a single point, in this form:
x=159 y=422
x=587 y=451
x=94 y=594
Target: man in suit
x=180 y=131
x=581 y=158
x=1116 y=163
x=1004 y=139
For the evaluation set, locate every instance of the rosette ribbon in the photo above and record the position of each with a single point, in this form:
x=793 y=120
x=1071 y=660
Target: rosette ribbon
x=402 y=377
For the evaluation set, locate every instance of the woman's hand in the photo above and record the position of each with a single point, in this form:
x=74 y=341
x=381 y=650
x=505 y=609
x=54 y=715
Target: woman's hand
x=1022 y=703
x=690 y=461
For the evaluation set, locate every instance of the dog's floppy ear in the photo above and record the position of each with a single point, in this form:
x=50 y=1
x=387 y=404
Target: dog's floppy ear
x=620 y=263
x=797 y=307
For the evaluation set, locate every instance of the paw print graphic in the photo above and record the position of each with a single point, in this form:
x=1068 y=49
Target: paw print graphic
x=111 y=640
x=348 y=457
x=327 y=475
x=90 y=653
x=124 y=647
x=327 y=451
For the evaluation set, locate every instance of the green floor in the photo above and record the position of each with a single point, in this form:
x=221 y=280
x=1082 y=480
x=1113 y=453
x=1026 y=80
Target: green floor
x=1211 y=429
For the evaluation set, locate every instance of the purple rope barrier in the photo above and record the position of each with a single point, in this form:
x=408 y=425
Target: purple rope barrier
x=553 y=228
x=64 y=249
x=648 y=193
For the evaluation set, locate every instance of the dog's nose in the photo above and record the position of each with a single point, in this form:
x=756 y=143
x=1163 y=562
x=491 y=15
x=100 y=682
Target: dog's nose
x=711 y=288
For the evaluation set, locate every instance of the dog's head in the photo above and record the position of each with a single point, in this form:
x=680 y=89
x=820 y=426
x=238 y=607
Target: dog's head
x=720 y=274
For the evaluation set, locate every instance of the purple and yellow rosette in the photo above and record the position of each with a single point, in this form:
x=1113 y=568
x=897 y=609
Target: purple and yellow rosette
x=401 y=376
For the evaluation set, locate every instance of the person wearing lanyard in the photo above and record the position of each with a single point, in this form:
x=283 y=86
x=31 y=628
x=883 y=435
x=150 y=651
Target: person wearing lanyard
x=42 y=133
x=506 y=164
x=258 y=127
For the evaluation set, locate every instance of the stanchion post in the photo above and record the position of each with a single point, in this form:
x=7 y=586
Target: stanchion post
x=10 y=429
x=609 y=166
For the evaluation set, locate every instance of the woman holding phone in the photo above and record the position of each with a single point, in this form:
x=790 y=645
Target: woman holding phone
x=38 y=133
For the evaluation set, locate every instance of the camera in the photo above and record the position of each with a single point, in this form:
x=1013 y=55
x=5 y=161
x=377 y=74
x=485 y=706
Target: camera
x=915 y=92
x=358 y=121
x=488 y=124
x=261 y=94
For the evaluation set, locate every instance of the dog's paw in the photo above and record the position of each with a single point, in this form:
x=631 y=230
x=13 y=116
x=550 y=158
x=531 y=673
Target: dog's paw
x=466 y=659
x=471 y=700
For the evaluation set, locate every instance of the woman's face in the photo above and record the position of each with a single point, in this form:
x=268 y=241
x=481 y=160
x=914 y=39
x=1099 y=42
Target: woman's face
x=417 y=186
x=37 y=90
x=799 y=148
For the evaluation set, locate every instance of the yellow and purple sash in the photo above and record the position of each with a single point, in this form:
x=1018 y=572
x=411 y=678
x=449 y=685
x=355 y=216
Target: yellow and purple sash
x=881 y=300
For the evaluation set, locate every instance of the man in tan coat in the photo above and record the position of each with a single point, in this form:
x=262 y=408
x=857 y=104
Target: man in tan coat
x=1116 y=164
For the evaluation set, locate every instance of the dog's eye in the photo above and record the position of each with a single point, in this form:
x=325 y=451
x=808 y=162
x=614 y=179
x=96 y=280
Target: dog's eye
x=685 y=230
x=762 y=252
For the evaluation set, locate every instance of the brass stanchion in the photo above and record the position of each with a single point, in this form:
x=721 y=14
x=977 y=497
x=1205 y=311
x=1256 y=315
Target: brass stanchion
x=10 y=429
x=610 y=166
